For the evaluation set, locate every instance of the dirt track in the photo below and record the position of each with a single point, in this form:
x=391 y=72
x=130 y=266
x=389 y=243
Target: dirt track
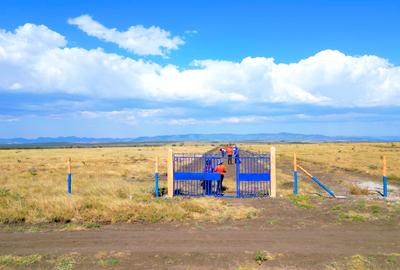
x=304 y=238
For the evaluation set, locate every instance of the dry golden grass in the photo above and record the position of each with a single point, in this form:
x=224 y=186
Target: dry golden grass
x=109 y=185
x=356 y=157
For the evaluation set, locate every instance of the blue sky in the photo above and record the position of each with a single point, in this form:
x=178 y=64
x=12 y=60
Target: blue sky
x=130 y=68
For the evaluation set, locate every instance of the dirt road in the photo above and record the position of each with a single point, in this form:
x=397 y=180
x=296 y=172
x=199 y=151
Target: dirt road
x=301 y=238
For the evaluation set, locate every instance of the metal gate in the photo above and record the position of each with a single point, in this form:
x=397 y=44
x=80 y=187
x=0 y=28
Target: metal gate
x=194 y=175
x=253 y=175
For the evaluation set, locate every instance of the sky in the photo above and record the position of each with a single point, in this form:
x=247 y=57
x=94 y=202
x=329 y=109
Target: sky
x=125 y=69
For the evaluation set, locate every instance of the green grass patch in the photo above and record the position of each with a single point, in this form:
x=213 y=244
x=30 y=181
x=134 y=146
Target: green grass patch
x=108 y=262
x=359 y=262
x=352 y=216
x=65 y=263
x=375 y=208
x=92 y=225
x=25 y=261
x=338 y=207
x=302 y=201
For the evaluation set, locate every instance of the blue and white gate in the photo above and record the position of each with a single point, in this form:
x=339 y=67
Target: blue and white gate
x=194 y=175
x=253 y=175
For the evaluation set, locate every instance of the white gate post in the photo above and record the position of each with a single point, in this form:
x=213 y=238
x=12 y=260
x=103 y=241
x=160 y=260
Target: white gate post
x=273 y=172
x=170 y=173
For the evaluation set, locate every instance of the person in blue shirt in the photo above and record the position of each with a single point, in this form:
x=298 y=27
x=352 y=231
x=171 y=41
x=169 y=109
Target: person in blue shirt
x=207 y=184
x=236 y=154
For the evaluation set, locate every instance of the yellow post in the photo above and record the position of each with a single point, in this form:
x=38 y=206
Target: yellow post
x=156 y=166
x=170 y=172
x=273 y=172
x=384 y=166
x=69 y=165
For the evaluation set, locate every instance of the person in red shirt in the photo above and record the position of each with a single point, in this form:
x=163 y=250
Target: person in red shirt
x=221 y=169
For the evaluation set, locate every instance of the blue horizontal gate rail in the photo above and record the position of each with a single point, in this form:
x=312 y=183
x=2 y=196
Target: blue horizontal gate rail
x=194 y=175
x=253 y=176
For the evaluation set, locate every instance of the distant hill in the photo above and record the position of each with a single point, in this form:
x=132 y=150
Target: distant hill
x=226 y=137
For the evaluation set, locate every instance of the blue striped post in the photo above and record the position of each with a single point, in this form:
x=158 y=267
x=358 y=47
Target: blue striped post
x=156 y=178
x=384 y=178
x=295 y=175
x=69 y=177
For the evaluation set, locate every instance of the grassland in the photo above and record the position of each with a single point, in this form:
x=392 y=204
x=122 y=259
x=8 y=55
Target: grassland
x=364 y=158
x=115 y=184
x=109 y=185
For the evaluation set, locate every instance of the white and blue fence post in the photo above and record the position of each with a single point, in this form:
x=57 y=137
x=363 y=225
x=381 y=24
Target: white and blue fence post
x=156 y=178
x=295 y=175
x=384 y=177
x=69 y=176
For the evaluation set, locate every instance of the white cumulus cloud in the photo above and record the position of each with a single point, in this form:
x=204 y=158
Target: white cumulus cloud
x=36 y=59
x=137 y=39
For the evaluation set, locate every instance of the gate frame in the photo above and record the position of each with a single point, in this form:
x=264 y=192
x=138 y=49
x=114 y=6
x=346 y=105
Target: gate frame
x=170 y=172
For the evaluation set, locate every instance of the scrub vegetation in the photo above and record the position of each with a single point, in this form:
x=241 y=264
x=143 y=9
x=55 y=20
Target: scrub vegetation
x=115 y=184
x=109 y=185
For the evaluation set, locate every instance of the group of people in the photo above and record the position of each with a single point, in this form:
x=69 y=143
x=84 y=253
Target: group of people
x=230 y=152
x=207 y=185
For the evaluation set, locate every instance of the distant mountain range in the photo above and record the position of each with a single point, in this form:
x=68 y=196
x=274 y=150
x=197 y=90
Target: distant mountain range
x=226 y=137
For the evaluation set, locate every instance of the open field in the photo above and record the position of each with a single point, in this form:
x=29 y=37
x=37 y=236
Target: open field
x=112 y=220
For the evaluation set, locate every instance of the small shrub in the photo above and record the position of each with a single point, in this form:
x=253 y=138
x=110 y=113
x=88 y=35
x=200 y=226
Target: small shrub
x=108 y=262
x=358 y=262
x=337 y=207
x=393 y=258
x=356 y=190
x=372 y=167
x=262 y=256
x=4 y=192
x=33 y=171
x=92 y=226
x=393 y=177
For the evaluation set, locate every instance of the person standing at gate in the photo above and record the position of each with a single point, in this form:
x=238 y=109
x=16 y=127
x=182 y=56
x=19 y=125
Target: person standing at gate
x=207 y=184
x=223 y=151
x=221 y=169
x=229 y=151
x=236 y=154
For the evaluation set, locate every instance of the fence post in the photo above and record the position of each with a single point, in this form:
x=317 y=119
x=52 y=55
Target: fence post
x=295 y=175
x=273 y=172
x=170 y=172
x=384 y=178
x=237 y=177
x=69 y=177
x=156 y=177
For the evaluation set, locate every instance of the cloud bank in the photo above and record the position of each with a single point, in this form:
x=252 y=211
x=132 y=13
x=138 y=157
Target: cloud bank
x=36 y=59
x=137 y=39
